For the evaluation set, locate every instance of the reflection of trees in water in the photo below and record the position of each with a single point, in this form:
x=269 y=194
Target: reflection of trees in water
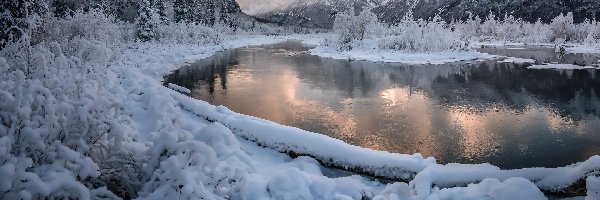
x=572 y=92
x=423 y=127
x=338 y=75
x=477 y=86
x=206 y=72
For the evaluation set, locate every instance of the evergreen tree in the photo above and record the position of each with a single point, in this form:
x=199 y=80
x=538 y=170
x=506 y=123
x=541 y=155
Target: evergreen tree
x=162 y=9
x=17 y=18
x=145 y=21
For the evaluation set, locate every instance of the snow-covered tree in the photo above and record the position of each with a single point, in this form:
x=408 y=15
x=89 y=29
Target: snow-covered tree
x=562 y=27
x=18 y=18
x=146 y=21
x=350 y=28
x=163 y=8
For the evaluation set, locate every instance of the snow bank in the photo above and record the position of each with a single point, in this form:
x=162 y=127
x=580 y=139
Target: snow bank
x=179 y=88
x=591 y=49
x=296 y=141
x=547 y=179
x=560 y=66
x=399 y=56
x=490 y=188
x=593 y=188
x=517 y=60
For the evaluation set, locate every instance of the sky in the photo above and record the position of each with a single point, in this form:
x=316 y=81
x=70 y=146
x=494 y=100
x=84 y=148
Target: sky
x=258 y=6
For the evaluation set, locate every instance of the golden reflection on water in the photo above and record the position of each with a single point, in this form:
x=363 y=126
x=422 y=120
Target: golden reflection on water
x=476 y=139
x=478 y=129
x=415 y=108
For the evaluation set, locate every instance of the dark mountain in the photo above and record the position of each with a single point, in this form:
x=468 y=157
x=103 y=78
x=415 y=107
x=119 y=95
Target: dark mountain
x=321 y=13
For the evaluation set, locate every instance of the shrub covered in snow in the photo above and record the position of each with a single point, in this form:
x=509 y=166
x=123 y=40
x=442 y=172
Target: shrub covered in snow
x=562 y=27
x=57 y=119
x=592 y=32
x=423 y=36
x=92 y=25
x=187 y=33
x=350 y=30
x=366 y=32
x=509 y=29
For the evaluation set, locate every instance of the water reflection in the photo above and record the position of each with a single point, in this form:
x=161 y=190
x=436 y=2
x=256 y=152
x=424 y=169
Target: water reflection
x=491 y=112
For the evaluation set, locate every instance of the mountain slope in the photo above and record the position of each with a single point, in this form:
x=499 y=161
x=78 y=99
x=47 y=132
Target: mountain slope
x=321 y=13
x=314 y=13
x=529 y=10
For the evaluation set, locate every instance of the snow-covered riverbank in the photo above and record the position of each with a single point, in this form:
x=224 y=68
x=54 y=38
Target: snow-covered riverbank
x=259 y=172
x=398 y=56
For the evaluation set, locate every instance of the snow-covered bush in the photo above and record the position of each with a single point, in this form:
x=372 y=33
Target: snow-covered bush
x=593 y=32
x=469 y=28
x=365 y=32
x=535 y=33
x=60 y=126
x=187 y=33
x=350 y=29
x=510 y=29
x=423 y=36
x=56 y=119
x=93 y=25
x=563 y=28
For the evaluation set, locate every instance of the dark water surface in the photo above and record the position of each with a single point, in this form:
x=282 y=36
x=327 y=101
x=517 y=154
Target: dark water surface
x=500 y=113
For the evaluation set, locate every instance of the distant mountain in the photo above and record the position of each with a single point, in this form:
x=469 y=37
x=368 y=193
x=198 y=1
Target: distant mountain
x=321 y=13
x=314 y=13
x=529 y=10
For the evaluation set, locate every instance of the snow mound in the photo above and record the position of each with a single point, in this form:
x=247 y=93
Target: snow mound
x=593 y=188
x=546 y=179
x=561 y=66
x=399 y=56
x=179 y=88
x=492 y=189
x=588 y=49
x=517 y=60
x=299 y=142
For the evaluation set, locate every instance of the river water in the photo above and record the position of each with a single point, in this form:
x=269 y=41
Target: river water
x=499 y=113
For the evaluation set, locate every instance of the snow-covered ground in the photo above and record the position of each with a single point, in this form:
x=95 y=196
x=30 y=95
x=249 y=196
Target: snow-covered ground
x=244 y=150
x=517 y=60
x=569 y=47
x=578 y=48
x=399 y=56
x=560 y=66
